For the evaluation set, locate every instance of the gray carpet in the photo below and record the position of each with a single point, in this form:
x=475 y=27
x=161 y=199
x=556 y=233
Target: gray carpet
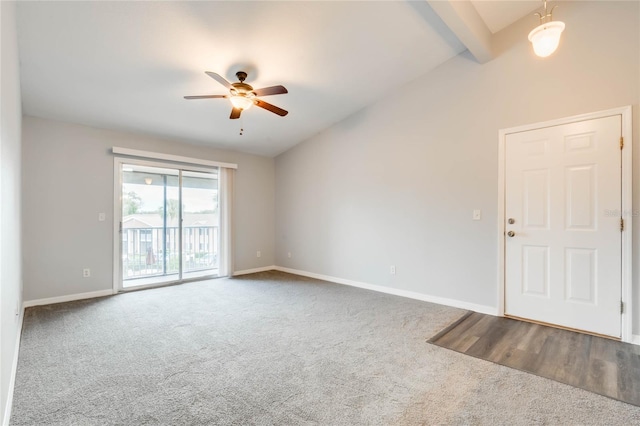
x=272 y=349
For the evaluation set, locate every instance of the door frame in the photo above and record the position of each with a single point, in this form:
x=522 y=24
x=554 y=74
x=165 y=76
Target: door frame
x=627 y=208
x=117 y=218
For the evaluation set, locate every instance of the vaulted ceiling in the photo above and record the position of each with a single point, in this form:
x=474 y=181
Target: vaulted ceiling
x=127 y=65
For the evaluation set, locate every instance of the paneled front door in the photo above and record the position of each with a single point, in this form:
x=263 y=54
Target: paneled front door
x=563 y=224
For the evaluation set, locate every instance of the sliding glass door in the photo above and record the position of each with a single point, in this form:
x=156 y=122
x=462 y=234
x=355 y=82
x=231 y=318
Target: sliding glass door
x=170 y=224
x=200 y=224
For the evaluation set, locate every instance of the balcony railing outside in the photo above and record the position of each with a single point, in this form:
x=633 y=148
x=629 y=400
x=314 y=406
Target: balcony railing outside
x=150 y=252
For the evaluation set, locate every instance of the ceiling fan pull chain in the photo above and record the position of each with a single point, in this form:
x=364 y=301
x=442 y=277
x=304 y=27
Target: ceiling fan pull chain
x=241 y=125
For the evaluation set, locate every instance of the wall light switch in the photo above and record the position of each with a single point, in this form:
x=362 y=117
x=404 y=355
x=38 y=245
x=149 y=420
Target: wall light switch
x=258 y=254
x=477 y=214
x=102 y=217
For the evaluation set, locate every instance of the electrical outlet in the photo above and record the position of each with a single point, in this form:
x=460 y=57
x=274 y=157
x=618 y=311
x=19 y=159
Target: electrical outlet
x=392 y=270
x=258 y=254
x=477 y=214
x=102 y=217
x=86 y=273
x=289 y=255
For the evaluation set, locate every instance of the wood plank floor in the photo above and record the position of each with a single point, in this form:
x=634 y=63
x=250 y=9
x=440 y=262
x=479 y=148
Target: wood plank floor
x=596 y=364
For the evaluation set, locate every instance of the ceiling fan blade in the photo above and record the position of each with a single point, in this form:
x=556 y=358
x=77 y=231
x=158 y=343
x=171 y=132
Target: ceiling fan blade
x=205 y=96
x=273 y=90
x=235 y=113
x=220 y=79
x=274 y=109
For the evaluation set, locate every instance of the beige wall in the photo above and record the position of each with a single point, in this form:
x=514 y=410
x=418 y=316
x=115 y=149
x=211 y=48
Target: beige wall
x=10 y=239
x=68 y=180
x=396 y=183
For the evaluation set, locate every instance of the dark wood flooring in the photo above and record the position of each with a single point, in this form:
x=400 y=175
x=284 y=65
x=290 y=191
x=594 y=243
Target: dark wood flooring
x=596 y=364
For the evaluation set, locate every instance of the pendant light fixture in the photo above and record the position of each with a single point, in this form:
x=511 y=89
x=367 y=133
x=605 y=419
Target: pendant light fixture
x=546 y=36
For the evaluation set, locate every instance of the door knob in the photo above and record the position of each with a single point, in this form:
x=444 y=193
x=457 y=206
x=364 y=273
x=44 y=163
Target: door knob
x=511 y=234
x=511 y=221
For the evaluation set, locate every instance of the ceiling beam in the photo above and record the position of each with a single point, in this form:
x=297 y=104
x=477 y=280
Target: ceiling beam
x=465 y=22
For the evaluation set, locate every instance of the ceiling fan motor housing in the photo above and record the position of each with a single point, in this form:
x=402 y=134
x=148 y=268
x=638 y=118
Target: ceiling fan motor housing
x=241 y=88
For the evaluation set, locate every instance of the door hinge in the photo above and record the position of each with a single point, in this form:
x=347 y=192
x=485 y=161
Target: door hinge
x=621 y=142
x=621 y=307
x=621 y=224
x=121 y=227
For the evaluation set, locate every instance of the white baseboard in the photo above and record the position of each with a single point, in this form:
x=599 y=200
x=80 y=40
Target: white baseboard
x=69 y=298
x=489 y=310
x=14 y=370
x=254 y=270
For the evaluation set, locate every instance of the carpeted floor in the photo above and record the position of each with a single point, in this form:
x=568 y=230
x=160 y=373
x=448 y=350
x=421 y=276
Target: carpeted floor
x=272 y=349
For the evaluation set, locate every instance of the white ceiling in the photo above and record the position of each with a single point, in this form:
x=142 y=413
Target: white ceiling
x=498 y=15
x=127 y=65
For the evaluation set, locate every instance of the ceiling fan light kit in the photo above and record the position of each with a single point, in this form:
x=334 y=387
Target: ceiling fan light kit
x=546 y=36
x=243 y=102
x=243 y=95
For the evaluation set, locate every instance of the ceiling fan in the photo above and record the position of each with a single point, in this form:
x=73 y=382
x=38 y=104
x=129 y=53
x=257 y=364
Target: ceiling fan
x=243 y=96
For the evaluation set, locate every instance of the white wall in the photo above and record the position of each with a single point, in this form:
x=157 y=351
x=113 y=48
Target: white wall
x=10 y=239
x=396 y=183
x=68 y=180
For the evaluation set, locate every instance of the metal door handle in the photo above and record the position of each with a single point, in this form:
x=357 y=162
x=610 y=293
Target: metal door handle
x=511 y=234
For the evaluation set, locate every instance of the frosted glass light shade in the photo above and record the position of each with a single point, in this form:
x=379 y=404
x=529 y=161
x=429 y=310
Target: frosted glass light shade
x=546 y=37
x=241 y=102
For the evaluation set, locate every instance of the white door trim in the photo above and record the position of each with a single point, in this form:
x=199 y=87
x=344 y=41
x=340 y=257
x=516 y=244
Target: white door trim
x=627 y=208
x=148 y=155
x=117 y=218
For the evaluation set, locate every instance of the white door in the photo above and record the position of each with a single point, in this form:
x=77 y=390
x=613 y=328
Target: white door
x=563 y=212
